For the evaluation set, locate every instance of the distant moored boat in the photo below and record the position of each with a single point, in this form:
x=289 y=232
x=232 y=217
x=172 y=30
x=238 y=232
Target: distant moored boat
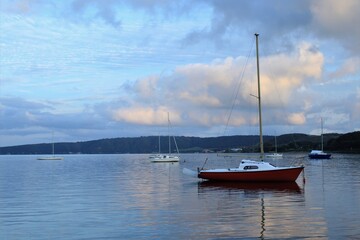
x=53 y=157
x=166 y=157
x=320 y=154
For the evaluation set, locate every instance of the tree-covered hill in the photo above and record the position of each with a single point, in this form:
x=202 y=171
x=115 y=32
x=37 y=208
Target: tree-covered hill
x=349 y=142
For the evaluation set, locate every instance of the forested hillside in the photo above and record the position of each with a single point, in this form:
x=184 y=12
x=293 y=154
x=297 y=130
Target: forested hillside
x=349 y=142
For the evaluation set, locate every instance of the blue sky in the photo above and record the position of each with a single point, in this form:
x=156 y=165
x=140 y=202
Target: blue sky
x=93 y=69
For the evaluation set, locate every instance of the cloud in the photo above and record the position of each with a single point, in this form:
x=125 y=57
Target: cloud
x=335 y=20
x=281 y=23
x=232 y=20
x=203 y=100
x=297 y=118
x=26 y=121
x=349 y=68
x=283 y=74
x=97 y=9
x=144 y=115
x=19 y=113
x=111 y=12
x=202 y=94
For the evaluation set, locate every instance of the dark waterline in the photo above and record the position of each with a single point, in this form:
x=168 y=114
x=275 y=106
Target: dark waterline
x=127 y=197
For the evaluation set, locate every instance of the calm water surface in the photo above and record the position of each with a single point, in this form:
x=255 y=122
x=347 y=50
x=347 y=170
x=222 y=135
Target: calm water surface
x=127 y=197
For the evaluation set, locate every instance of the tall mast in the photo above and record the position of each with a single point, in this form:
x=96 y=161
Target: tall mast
x=159 y=145
x=169 y=132
x=322 y=137
x=259 y=97
x=53 y=147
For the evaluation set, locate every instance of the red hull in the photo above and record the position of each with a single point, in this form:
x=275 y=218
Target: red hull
x=278 y=175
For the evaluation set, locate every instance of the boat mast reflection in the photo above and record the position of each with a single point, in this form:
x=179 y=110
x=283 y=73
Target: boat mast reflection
x=262 y=218
x=259 y=190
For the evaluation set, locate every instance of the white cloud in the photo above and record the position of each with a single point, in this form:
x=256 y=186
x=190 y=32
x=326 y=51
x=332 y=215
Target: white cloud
x=147 y=87
x=334 y=15
x=145 y=115
x=337 y=19
x=297 y=118
x=202 y=94
x=201 y=100
x=350 y=67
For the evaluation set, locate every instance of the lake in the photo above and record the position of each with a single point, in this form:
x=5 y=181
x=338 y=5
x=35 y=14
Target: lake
x=126 y=196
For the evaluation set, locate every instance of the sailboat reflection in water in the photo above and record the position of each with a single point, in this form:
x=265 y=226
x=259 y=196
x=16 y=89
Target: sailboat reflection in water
x=245 y=191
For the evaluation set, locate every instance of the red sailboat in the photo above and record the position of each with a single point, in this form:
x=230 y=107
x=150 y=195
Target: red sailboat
x=249 y=170
x=252 y=171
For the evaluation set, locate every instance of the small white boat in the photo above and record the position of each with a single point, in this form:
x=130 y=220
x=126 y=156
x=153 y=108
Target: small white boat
x=50 y=158
x=274 y=155
x=320 y=154
x=166 y=157
x=53 y=157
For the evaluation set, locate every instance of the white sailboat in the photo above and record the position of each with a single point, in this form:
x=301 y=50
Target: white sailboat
x=166 y=157
x=249 y=170
x=275 y=154
x=52 y=157
x=320 y=154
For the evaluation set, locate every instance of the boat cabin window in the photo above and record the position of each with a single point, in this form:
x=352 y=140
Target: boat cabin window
x=250 y=167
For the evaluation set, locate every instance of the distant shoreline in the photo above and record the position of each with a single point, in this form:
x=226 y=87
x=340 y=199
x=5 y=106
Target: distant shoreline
x=296 y=142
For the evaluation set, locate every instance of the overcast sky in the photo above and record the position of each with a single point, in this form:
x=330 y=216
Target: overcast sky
x=92 y=69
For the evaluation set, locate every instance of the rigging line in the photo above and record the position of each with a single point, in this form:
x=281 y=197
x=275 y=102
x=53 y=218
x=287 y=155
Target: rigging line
x=204 y=164
x=237 y=88
x=282 y=102
x=177 y=149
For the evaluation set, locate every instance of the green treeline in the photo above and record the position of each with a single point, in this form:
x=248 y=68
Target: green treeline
x=347 y=143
